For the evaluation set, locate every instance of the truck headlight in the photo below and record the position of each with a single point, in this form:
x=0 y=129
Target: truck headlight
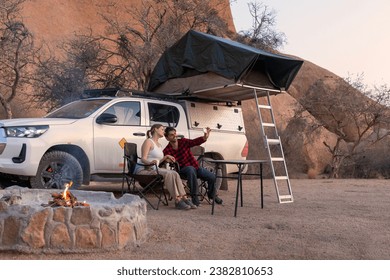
x=26 y=131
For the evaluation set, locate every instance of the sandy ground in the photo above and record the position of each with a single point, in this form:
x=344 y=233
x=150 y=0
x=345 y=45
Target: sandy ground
x=329 y=219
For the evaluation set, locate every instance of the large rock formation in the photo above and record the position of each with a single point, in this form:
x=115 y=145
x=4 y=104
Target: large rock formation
x=54 y=22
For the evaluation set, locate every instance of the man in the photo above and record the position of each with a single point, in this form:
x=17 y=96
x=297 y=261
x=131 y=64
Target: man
x=180 y=149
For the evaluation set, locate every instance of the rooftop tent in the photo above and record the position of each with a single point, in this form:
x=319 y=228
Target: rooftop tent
x=209 y=67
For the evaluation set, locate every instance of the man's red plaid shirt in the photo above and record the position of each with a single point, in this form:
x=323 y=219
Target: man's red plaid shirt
x=183 y=154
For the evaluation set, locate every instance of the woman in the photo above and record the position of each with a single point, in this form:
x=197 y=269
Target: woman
x=152 y=153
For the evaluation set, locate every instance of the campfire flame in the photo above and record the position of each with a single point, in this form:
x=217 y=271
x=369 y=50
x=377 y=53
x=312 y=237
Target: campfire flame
x=65 y=193
x=66 y=198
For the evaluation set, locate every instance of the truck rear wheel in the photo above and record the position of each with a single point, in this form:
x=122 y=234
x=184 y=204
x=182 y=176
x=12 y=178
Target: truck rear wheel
x=56 y=169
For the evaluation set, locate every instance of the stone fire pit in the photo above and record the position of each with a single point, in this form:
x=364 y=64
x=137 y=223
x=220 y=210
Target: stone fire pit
x=106 y=224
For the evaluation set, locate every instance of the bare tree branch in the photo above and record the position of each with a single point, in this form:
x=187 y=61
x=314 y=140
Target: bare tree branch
x=262 y=34
x=354 y=114
x=17 y=49
x=125 y=55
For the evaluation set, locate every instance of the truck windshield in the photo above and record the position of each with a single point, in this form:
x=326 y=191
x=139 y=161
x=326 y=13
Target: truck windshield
x=78 y=109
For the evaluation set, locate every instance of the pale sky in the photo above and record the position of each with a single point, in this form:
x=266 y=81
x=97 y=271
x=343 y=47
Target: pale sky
x=346 y=37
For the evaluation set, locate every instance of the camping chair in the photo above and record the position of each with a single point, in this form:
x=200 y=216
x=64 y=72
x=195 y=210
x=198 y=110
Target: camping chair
x=198 y=152
x=150 y=184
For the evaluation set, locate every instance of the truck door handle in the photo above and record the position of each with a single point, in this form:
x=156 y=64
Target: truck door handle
x=139 y=134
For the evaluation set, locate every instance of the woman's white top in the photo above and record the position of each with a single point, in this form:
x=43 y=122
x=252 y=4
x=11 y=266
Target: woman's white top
x=154 y=154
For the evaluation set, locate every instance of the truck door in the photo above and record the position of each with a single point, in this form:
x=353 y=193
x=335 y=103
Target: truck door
x=109 y=137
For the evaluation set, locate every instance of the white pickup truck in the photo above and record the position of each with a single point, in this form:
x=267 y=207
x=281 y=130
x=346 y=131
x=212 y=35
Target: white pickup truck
x=83 y=140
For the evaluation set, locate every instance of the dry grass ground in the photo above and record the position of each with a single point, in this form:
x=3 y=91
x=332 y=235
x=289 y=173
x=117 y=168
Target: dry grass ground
x=329 y=219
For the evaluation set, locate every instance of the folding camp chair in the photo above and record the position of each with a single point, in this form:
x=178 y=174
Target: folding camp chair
x=150 y=184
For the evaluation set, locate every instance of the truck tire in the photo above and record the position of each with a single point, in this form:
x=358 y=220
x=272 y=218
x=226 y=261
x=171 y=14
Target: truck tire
x=212 y=167
x=56 y=169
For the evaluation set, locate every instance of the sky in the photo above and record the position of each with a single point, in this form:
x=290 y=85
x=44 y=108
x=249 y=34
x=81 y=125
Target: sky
x=347 y=37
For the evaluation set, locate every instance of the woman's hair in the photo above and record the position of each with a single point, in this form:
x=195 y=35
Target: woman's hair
x=150 y=132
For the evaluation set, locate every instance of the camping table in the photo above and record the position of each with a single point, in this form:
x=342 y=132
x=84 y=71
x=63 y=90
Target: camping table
x=240 y=164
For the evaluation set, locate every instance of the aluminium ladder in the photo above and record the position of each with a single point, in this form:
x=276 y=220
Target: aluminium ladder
x=274 y=148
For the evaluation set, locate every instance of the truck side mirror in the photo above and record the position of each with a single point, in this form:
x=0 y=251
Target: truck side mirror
x=106 y=118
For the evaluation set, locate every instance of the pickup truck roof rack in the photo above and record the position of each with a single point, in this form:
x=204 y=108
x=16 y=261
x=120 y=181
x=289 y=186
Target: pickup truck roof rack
x=120 y=92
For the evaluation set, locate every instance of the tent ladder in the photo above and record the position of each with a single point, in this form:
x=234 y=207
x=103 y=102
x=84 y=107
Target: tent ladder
x=273 y=144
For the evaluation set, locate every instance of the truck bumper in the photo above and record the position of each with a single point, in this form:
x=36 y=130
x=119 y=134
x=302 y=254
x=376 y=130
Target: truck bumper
x=16 y=157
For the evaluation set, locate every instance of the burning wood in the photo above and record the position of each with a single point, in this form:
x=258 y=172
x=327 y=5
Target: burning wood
x=65 y=199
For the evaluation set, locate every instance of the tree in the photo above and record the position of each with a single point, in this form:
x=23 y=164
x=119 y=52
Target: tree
x=58 y=81
x=16 y=48
x=135 y=44
x=125 y=55
x=354 y=113
x=262 y=34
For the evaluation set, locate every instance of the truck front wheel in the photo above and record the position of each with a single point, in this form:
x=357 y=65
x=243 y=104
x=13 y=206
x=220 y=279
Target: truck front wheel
x=56 y=169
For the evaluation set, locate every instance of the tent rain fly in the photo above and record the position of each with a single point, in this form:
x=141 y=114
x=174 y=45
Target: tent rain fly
x=208 y=67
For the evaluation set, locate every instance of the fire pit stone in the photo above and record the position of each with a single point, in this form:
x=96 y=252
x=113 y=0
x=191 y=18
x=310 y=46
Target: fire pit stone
x=28 y=225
